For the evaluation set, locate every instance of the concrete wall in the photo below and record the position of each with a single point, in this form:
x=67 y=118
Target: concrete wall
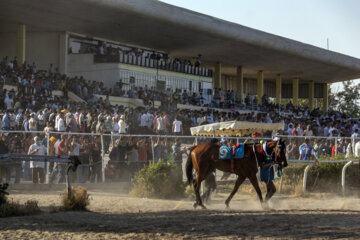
x=109 y=73
x=83 y=65
x=43 y=48
x=7 y=45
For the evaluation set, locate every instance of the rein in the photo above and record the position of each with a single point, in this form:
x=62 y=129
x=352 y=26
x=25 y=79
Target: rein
x=267 y=155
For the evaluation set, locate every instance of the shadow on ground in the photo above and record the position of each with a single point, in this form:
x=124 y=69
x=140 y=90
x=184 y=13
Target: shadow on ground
x=198 y=223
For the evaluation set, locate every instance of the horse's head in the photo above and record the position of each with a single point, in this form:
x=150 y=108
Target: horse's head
x=277 y=149
x=280 y=151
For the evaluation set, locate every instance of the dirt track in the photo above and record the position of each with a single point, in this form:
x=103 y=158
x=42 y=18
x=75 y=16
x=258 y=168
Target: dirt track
x=116 y=216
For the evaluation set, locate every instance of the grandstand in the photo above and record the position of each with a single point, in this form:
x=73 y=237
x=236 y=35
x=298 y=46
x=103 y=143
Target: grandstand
x=95 y=40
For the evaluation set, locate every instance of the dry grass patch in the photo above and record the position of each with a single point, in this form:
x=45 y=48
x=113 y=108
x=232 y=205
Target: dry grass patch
x=12 y=208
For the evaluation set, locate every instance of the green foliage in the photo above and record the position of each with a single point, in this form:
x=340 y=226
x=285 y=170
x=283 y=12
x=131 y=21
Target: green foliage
x=78 y=201
x=323 y=177
x=3 y=193
x=159 y=180
x=346 y=100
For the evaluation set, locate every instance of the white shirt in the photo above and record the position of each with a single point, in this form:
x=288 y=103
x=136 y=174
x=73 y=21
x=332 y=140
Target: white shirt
x=56 y=121
x=9 y=103
x=143 y=120
x=122 y=126
x=61 y=125
x=56 y=145
x=115 y=127
x=32 y=124
x=177 y=126
x=326 y=131
x=160 y=124
x=76 y=150
x=41 y=151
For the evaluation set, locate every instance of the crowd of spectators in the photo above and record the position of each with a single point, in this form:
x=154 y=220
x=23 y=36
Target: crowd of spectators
x=33 y=108
x=103 y=48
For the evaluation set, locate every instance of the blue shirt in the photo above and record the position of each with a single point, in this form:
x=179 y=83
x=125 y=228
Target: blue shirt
x=6 y=122
x=306 y=151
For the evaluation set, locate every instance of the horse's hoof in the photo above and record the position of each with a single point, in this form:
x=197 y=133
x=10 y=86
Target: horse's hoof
x=195 y=205
x=202 y=206
x=265 y=206
x=227 y=205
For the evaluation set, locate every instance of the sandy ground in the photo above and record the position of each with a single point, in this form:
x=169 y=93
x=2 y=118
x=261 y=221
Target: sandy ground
x=117 y=216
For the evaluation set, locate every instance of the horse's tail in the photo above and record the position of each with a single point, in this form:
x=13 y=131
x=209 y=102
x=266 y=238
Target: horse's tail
x=189 y=167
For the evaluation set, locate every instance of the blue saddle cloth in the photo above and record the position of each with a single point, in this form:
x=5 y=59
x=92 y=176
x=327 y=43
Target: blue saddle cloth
x=225 y=152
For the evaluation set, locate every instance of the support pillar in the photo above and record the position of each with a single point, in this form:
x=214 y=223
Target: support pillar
x=295 y=87
x=21 y=43
x=63 y=52
x=311 y=95
x=325 y=97
x=240 y=83
x=260 y=86
x=278 y=88
x=217 y=76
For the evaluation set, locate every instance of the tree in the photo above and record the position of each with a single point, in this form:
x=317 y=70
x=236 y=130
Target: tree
x=347 y=99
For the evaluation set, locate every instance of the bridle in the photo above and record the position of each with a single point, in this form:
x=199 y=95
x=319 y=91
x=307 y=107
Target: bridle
x=272 y=155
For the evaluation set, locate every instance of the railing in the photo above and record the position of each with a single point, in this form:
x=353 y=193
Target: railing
x=72 y=163
x=155 y=146
x=313 y=163
x=153 y=63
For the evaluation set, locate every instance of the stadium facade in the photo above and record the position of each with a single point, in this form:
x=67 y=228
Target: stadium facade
x=233 y=57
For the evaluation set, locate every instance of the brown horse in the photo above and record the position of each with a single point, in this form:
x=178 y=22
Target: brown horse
x=204 y=158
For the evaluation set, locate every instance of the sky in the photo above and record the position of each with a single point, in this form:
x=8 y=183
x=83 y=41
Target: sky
x=308 y=21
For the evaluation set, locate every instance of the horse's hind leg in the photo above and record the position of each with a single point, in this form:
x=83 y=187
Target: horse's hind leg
x=255 y=184
x=197 y=185
x=238 y=182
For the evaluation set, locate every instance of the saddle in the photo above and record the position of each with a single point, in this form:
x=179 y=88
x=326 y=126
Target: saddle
x=231 y=153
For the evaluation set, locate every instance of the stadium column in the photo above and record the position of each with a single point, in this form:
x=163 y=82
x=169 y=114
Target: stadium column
x=217 y=75
x=260 y=86
x=21 y=43
x=63 y=52
x=278 y=89
x=239 y=83
x=325 y=97
x=295 y=87
x=311 y=95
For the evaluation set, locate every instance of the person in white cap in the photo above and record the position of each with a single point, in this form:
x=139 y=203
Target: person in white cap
x=122 y=125
x=38 y=168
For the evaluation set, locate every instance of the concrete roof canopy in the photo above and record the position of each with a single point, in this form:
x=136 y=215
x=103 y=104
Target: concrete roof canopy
x=182 y=33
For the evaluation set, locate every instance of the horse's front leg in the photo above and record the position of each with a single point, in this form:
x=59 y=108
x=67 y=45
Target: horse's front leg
x=238 y=182
x=271 y=189
x=255 y=183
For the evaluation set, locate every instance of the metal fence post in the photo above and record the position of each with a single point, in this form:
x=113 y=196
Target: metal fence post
x=305 y=177
x=336 y=146
x=152 y=149
x=343 y=174
x=47 y=165
x=103 y=158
